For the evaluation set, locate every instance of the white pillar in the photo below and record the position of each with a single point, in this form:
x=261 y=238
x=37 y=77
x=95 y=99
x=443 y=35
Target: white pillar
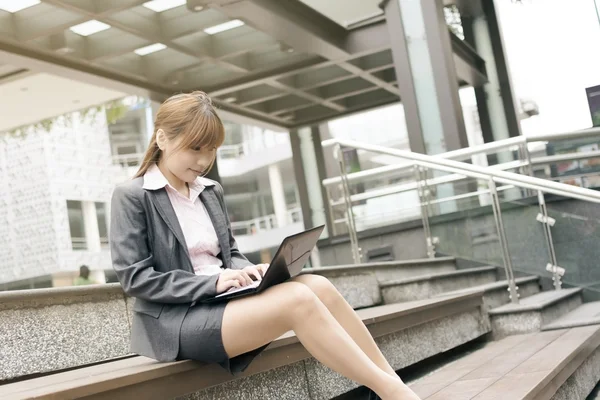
x=278 y=195
x=90 y=223
x=149 y=123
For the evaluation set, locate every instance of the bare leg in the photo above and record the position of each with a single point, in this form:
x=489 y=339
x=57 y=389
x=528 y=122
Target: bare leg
x=348 y=319
x=253 y=321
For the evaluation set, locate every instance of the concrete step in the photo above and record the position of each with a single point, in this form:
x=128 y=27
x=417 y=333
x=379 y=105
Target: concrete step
x=557 y=365
x=359 y=283
x=533 y=312
x=430 y=285
x=496 y=294
x=406 y=333
x=585 y=314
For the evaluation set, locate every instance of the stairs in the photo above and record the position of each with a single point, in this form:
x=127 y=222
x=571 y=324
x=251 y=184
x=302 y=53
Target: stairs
x=530 y=366
x=545 y=347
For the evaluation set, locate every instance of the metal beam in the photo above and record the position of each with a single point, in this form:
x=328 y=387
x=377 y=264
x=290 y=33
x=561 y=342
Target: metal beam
x=470 y=67
x=299 y=26
x=291 y=22
x=150 y=32
x=154 y=34
x=14 y=53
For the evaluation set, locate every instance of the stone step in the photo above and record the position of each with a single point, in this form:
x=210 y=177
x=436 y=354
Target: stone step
x=427 y=286
x=544 y=365
x=496 y=294
x=406 y=333
x=359 y=283
x=533 y=312
x=585 y=314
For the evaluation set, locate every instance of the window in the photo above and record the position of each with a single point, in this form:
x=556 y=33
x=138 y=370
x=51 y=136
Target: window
x=102 y=225
x=76 y=225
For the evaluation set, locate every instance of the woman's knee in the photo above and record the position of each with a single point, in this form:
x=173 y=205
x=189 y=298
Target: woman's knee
x=321 y=287
x=298 y=299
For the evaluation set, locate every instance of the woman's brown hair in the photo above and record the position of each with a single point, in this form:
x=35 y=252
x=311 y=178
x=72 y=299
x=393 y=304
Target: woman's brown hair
x=190 y=116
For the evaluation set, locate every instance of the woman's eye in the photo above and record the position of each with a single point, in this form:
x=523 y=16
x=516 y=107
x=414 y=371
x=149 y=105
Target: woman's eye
x=196 y=148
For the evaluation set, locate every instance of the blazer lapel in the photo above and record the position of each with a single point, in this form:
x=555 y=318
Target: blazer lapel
x=160 y=198
x=217 y=216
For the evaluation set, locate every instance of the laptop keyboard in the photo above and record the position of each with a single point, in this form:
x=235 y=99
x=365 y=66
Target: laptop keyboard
x=241 y=289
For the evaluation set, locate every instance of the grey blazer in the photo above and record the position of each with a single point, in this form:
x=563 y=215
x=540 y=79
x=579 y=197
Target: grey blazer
x=151 y=260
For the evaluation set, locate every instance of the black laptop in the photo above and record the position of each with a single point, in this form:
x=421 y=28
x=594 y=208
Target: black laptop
x=290 y=258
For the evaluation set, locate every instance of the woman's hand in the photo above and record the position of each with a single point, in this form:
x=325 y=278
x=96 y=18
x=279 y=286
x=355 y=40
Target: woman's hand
x=256 y=271
x=232 y=278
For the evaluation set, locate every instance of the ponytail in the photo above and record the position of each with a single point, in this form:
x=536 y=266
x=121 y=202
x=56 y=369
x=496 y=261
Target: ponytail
x=152 y=156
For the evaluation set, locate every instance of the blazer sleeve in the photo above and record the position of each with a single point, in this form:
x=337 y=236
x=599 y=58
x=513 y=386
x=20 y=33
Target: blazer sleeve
x=133 y=261
x=238 y=260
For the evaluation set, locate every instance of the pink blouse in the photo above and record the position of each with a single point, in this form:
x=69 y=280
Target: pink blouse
x=198 y=230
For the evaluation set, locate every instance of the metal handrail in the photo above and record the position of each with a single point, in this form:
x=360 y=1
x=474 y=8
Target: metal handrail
x=487 y=148
x=474 y=171
x=492 y=175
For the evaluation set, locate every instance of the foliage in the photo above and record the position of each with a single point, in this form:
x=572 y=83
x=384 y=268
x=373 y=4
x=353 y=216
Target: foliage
x=596 y=118
x=114 y=111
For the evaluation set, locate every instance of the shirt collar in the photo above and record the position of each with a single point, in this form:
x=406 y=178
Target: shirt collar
x=154 y=180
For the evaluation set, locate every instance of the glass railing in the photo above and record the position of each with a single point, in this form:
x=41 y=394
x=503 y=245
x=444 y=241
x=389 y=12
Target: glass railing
x=575 y=237
x=487 y=215
x=265 y=223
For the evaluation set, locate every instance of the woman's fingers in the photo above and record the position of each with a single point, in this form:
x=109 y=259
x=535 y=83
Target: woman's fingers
x=262 y=268
x=233 y=283
x=244 y=278
x=254 y=271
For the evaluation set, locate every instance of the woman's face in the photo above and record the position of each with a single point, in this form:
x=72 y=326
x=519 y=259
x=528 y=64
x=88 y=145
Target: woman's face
x=186 y=164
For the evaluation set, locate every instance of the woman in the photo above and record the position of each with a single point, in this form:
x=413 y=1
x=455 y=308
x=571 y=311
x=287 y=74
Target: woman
x=172 y=247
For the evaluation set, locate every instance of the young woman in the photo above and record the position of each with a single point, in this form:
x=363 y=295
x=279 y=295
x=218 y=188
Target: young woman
x=172 y=247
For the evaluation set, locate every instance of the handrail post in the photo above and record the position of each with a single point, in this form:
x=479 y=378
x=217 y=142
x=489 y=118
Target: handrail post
x=423 y=193
x=339 y=155
x=512 y=286
x=331 y=219
x=547 y=223
x=527 y=169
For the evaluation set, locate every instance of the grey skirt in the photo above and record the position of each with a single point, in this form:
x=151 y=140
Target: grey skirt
x=200 y=339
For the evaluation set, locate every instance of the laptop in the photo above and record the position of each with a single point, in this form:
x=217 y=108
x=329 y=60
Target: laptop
x=290 y=258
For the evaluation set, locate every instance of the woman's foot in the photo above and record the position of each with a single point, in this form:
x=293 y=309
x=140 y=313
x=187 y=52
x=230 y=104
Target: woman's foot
x=400 y=392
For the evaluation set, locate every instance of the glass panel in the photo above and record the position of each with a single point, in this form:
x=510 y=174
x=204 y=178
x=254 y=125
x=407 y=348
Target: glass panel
x=576 y=235
x=75 y=210
x=470 y=231
x=525 y=235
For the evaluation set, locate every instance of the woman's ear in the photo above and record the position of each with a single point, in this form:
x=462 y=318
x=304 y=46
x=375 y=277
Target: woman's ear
x=161 y=139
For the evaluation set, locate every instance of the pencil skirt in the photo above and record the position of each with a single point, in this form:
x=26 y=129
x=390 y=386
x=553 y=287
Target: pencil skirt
x=201 y=340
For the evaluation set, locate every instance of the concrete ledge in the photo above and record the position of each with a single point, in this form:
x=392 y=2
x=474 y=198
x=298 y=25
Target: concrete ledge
x=533 y=312
x=496 y=294
x=426 y=286
x=586 y=314
x=583 y=381
x=538 y=302
x=19 y=299
x=368 y=267
x=359 y=284
x=407 y=333
x=53 y=329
